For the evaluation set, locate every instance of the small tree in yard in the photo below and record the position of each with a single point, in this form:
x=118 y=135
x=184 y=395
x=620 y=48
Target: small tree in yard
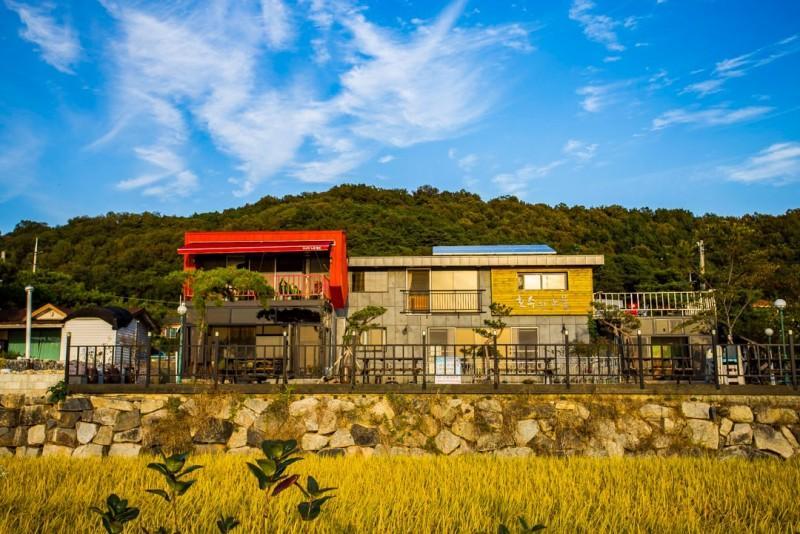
x=492 y=330
x=358 y=323
x=622 y=323
x=214 y=286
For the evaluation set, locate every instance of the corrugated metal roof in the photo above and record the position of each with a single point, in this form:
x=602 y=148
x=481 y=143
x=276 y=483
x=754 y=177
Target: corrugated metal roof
x=468 y=261
x=461 y=250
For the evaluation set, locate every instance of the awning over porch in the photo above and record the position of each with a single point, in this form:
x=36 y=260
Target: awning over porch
x=242 y=247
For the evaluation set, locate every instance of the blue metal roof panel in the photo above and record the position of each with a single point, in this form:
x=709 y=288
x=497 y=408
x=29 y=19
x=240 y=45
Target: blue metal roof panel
x=468 y=250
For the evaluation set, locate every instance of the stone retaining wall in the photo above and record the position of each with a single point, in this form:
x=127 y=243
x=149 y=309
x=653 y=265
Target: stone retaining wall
x=506 y=425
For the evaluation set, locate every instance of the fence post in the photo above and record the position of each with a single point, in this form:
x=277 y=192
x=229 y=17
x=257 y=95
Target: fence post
x=641 y=358
x=497 y=364
x=66 y=363
x=715 y=357
x=424 y=359
x=566 y=355
x=285 y=366
x=792 y=363
x=146 y=366
x=215 y=362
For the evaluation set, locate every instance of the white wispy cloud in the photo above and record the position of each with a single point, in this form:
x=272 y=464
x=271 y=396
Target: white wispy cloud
x=200 y=65
x=466 y=163
x=519 y=180
x=58 y=42
x=579 y=149
x=741 y=65
x=779 y=163
x=597 y=96
x=386 y=159
x=597 y=27
x=715 y=116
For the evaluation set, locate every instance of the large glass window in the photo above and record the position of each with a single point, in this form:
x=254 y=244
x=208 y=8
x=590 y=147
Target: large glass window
x=540 y=281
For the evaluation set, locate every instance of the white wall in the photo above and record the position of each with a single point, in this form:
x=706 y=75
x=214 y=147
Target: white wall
x=87 y=331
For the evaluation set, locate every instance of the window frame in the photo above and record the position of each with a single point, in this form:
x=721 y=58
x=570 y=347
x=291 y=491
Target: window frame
x=541 y=275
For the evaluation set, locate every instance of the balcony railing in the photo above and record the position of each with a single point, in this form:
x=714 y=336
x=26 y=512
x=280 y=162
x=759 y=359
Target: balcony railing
x=288 y=286
x=442 y=301
x=658 y=303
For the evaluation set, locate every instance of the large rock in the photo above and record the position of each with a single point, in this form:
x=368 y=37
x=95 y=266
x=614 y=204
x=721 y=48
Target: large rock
x=489 y=405
x=769 y=439
x=489 y=419
x=36 y=435
x=776 y=416
x=633 y=431
x=341 y=439
x=64 y=436
x=414 y=438
x=20 y=436
x=445 y=413
x=32 y=415
x=696 y=410
x=654 y=412
x=725 y=426
x=740 y=414
x=75 y=404
x=787 y=433
x=104 y=436
x=86 y=432
x=742 y=434
x=465 y=429
x=256 y=405
x=105 y=416
x=703 y=433
x=341 y=405
x=52 y=449
x=303 y=406
x=364 y=436
x=446 y=442
x=127 y=420
x=525 y=431
x=238 y=438
x=572 y=406
x=214 y=431
x=134 y=435
x=429 y=426
x=89 y=450
x=69 y=419
x=382 y=410
x=8 y=417
x=28 y=452
x=326 y=422
x=313 y=442
x=126 y=450
x=150 y=405
x=245 y=417
x=113 y=403
x=490 y=442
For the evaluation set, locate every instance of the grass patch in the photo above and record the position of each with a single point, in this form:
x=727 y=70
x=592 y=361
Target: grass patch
x=431 y=494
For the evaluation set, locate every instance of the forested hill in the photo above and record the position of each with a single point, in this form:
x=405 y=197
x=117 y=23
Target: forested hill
x=128 y=254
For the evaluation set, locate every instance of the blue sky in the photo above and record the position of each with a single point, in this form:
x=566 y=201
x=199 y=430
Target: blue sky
x=195 y=106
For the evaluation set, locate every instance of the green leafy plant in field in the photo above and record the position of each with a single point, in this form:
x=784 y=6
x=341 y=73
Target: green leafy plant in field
x=173 y=471
x=226 y=524
x=523 y=527
x=57 y=392
x=117 y=513
x=270 y=472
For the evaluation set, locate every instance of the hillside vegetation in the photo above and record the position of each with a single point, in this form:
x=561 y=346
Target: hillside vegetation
x=128 y=255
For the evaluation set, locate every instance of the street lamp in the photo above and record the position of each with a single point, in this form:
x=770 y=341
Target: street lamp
x=182 y=309
x=780 y=304
x=29 y=299
x=768 y=332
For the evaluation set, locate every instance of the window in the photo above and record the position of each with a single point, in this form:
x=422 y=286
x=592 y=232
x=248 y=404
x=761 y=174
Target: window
x=539 y=281
x=369 y=282
x=374 y=336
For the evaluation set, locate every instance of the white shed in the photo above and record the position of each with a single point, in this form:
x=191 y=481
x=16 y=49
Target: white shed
x=97 y=330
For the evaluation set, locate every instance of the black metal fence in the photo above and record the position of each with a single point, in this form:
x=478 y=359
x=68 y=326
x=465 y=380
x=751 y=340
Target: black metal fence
x=632 y=361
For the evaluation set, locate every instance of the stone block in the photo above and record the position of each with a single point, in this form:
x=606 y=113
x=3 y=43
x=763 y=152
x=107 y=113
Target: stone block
x=776 y=416
x=9 y=417
x=69 y=419
x=653 y=412
x=127 y=420
x=741 y=434
x=89 y=450
x=341 y=439
x=75 y=404
x=364 y=436
x=32 y=415
x=151 y=405
x=86 y=432
x=125 y=450
x=6 y=452
x=490 y=442
x=313 y=442
x=20 y=436
x=326 y=422
x=703 y=433
x=769 y=439
x=525 y=431
x=725 y=426
x=696 y=410
x=340 y=405
x=112 y=403
x=214 y=431
x=28 y=452
x=64 y=436
x=303 y=406
x=787 y=433
x=105 y=416
x=238 y=438
x=52 y=449
x=37 y=435
x=104 y=436
x=256 y=405
x=244 y=417
x=382 y=410
x=134 y=435
x=446 y=442
x=740 y=414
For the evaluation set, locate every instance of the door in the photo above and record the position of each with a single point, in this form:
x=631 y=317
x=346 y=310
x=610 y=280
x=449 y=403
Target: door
x=419 y=285
x=445 y=364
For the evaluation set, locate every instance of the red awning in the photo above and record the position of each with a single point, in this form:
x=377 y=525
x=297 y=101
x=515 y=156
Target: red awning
x=232 y=247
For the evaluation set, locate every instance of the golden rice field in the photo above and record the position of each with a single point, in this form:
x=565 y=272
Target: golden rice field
x=421 y=495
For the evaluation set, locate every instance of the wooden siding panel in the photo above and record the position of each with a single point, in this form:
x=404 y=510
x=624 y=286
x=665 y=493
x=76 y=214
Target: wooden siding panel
x=575 y=300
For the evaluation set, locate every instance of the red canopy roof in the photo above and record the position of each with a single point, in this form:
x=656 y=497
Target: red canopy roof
x=225 y=247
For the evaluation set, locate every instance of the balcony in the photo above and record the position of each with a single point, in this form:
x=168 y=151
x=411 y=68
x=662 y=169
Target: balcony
x=658 y=303
x=288 y=286
x=442 y=301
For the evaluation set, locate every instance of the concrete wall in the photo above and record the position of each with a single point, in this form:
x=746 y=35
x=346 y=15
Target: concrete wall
x=398 y=424
x=404 y=328
x=31 y=383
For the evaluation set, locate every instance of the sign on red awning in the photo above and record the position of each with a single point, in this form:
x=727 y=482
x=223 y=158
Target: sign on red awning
x=252 y=246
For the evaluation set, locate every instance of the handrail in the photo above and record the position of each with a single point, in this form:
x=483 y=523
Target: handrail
x=442 y=300
x=658 y=303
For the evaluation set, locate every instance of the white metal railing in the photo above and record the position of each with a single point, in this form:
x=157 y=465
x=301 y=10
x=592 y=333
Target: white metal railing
x=658 y=303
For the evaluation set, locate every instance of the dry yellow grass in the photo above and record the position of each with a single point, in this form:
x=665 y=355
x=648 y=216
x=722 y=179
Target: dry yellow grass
x=422 y=495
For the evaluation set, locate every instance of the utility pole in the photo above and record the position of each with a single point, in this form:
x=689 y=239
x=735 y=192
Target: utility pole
x=29 y=292
x=35 y=253
x=702 y=249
